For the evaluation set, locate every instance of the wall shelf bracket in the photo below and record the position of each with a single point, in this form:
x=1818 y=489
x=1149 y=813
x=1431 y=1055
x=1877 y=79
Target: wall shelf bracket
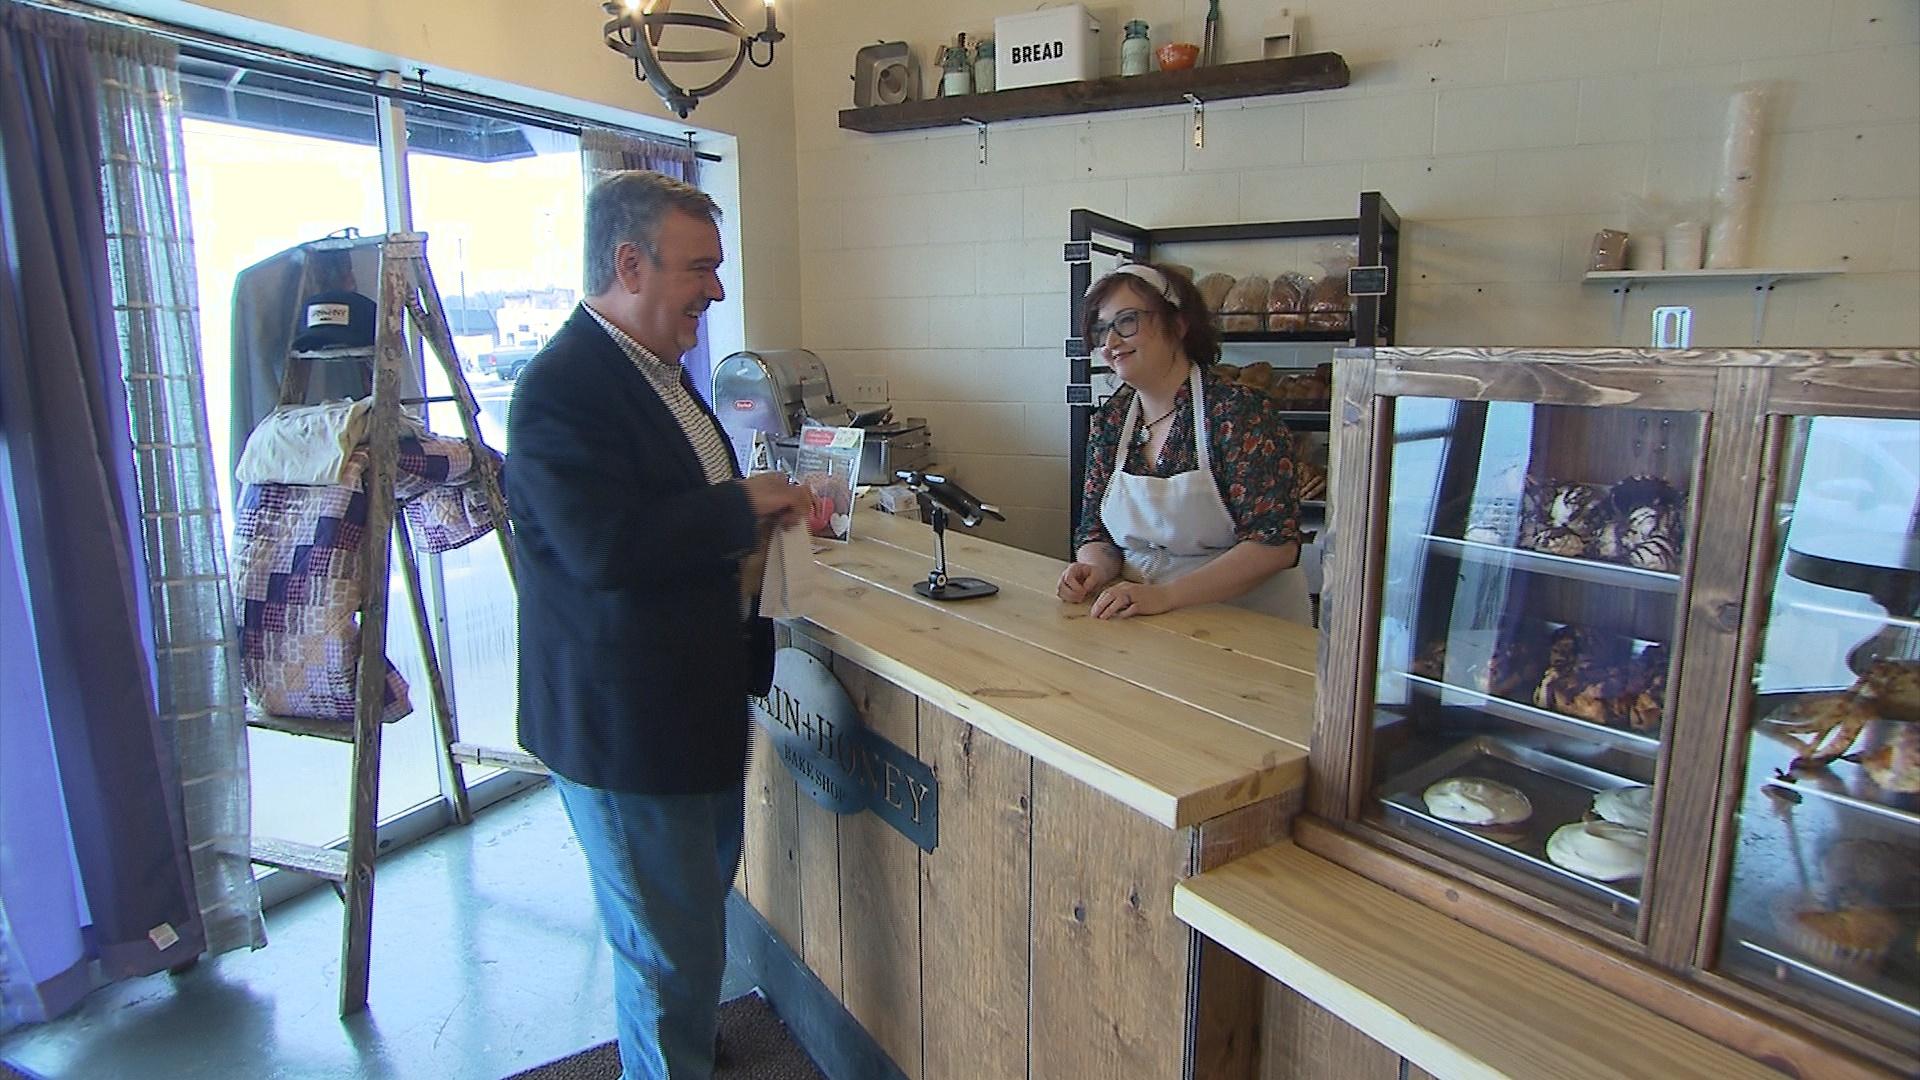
x=1199 y=120
x=980 y=131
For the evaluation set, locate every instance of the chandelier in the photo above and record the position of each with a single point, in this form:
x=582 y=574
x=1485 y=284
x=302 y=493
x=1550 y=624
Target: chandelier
x=635 y=31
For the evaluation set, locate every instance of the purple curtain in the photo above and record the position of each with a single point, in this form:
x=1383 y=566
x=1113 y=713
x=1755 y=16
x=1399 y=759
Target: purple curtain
x=94 y=869
x=607 y=151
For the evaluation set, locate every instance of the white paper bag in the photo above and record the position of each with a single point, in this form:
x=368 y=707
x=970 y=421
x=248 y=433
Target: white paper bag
x=786 y=588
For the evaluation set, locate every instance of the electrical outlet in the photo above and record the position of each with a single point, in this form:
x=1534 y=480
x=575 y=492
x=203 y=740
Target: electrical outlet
x=867 y=388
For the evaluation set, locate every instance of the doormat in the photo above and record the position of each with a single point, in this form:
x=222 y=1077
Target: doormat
x=754 y=1045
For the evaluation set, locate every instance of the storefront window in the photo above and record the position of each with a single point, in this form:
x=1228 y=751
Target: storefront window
x=512 y=279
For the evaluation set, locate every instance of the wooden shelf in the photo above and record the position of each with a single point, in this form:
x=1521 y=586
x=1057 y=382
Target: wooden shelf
x=1222 y=82
x=1758 y=275
x=1285 y=337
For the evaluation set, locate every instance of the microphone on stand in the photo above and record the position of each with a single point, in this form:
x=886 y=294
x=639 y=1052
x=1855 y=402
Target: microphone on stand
x=940 y=497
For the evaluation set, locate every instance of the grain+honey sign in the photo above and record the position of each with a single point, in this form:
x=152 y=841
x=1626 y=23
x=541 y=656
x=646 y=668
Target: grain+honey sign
x=837 y=760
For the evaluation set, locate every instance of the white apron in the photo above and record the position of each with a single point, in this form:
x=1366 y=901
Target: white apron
x=1169 y=526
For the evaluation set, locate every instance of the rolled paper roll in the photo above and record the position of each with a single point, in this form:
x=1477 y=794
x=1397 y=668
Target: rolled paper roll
x=1736 y=199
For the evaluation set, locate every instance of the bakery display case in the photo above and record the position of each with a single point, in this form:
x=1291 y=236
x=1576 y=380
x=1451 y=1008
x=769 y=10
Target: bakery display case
x=1528 y=617
x=1822 y=901
x=1622 y=665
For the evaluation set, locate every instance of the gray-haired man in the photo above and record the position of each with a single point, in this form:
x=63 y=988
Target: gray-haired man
x=636 y=660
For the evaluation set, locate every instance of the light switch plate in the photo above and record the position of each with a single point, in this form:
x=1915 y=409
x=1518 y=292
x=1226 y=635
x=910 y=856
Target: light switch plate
x=868 y=388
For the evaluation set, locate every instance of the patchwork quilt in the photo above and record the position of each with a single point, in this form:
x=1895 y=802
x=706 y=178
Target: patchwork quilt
x=296 y=574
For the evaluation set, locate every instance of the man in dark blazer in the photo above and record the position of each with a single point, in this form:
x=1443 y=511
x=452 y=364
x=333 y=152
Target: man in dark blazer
x=638 y=643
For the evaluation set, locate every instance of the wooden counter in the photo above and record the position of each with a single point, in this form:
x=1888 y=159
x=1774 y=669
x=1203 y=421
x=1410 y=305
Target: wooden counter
x=1157 y=714
x=1084 y=768
x=1447 y=998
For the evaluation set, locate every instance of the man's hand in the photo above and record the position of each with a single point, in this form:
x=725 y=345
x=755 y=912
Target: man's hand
x=1080 y=581
x=1125 y=599
x=776 y=499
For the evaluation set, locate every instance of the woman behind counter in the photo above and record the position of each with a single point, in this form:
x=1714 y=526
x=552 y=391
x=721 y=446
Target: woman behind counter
x=1189 y=496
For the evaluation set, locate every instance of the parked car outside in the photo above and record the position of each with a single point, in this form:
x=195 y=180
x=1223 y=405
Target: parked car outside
x=505 y=362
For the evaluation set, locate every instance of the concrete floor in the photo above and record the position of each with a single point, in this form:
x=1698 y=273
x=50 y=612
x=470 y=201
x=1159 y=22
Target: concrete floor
x=487 y=959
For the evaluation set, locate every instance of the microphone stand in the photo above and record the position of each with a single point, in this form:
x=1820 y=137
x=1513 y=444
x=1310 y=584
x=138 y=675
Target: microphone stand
x=933 y=493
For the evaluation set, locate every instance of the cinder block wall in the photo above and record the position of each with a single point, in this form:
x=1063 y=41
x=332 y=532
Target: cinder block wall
x=1504 y=131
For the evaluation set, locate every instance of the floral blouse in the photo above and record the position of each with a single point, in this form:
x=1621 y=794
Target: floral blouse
x=1252 y=460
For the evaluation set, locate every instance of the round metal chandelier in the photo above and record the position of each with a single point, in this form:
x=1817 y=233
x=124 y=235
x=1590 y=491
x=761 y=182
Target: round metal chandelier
x=636 y=28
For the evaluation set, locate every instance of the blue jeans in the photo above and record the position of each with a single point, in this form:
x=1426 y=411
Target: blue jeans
x=662 y=866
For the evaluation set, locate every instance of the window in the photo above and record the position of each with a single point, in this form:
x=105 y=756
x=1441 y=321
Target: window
x=516 y=276
x=274 y=161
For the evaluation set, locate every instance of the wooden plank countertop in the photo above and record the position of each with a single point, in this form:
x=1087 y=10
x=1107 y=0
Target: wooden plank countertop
x=1182 y=717
x=1449 y=998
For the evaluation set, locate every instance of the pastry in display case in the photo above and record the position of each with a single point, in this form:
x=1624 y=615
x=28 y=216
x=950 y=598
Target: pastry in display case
x=1823 y=897
x=1529 y=613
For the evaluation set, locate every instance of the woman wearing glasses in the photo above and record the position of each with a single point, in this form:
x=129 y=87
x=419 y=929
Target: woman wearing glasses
x=1189 y=496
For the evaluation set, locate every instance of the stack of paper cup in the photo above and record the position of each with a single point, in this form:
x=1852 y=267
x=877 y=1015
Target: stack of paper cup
x=1645 y=251
x=1686 y=243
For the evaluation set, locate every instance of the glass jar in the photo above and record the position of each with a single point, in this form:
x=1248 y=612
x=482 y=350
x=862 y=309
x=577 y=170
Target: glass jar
x=983 y=67
x=956 y=79
x=1136 y=52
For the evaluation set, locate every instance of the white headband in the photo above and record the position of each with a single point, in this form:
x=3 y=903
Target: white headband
x=1147 y=274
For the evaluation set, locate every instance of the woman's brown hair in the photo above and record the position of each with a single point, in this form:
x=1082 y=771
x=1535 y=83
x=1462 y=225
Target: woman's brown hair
x=1200 y=343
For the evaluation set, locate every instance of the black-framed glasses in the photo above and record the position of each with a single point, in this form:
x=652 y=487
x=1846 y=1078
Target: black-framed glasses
x=1126 y=324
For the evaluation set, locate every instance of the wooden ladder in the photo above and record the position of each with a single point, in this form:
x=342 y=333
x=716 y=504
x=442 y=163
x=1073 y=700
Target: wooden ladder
x=406 y=291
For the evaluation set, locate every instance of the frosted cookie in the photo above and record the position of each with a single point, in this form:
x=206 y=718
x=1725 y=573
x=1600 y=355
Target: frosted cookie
x=1600 y=850
x=1470 y=800
x=1629 y=806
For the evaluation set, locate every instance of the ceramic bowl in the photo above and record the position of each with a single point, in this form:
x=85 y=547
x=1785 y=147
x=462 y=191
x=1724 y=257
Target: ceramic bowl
x=1178 y=55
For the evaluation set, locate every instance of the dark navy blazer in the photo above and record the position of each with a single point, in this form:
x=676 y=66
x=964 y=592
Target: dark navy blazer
x=635 y=665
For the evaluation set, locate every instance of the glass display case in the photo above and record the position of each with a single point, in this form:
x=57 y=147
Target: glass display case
x=1528 y=620
x=1823 y=893
x=1622 y=666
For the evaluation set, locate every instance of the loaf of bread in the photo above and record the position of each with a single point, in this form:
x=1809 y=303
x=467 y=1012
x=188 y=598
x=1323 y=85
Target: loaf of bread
x=1287 y=303
x=1329 y=307
x=1245 y=307
x=1213 y=289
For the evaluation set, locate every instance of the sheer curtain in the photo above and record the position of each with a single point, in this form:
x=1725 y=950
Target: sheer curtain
x=97 y=881
x=150 y=243
x=604 y=152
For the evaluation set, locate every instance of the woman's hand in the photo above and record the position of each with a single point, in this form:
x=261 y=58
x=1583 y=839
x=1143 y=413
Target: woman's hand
x=1125 y=599
x=1080 y=581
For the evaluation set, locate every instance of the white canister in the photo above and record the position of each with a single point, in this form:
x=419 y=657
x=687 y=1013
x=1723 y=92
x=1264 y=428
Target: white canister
x=1686 y=245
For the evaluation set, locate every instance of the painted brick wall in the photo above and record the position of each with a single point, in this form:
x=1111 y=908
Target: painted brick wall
x=1504 y=131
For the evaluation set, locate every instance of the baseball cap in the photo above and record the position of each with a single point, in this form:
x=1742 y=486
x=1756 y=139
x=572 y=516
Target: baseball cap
x=337 y=319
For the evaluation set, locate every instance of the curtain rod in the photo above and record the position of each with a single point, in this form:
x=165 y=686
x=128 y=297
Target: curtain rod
x=205 y=45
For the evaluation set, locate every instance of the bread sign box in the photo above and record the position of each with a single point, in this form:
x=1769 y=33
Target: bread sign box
x=1052 y=45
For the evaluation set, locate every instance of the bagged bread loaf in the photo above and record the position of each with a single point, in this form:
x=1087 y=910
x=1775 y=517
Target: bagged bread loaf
x=1287 y=302
x=1245 y=308
x=1257 y=375
x=1329 y=306
x=1213 y=289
